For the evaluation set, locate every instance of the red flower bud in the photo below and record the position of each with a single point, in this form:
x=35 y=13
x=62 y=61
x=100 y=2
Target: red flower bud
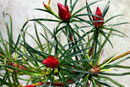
x=51 y=62
x=64 y=12
x=95 y=18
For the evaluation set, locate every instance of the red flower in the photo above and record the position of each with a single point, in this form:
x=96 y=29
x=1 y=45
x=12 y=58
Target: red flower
x=64 y=12
x=51 y=62
x=95 y=18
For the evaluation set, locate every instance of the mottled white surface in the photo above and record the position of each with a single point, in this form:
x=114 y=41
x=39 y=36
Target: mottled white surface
x=21 y=10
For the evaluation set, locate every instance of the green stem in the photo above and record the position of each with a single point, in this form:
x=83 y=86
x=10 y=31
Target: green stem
x=16 y=78
x=95 y=42
x=13 y=78
x=72 y=40
x=8 y=77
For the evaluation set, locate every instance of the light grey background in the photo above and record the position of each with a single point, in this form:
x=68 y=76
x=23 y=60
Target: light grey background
x=21 y=10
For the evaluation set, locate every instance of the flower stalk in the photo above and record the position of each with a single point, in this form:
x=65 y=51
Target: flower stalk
x=47 y=83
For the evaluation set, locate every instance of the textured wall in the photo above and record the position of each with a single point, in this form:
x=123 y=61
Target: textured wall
x=21 y=10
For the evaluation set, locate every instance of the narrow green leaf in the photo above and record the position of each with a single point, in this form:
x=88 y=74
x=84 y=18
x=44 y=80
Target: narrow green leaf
x=89 y=11
x=111 y=80
x=50 y=12
x=5 y=83
x=118 y=24
x=44 y=19
x=44 y=27
x=106 y=63
x=19 y=36
x=113 y=17
x=94 y=83
x=121 y=66
x=71 y=48
x=85 y=7
x=106 y=37
x=105 y=9
x=79 y=52
x=39 y=41
x=73 y=6
x=35 y=51
x=104 y=43
x=4 y=45
x=116 y=74
x=65 y=3
x=104 y=83
x=114 y=34
x=115 y=31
